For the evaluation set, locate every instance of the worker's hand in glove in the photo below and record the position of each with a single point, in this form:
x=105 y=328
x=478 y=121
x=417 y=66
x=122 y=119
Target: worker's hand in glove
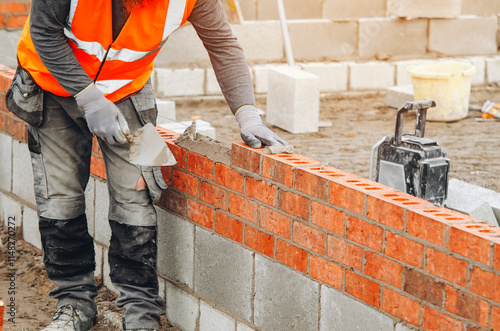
x=104 y=119
x=253 y=132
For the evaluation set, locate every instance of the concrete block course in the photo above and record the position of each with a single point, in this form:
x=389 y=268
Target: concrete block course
x=211 y=84
x=212 y=319
x=90 y=205
x=30 y=227
x=371 y=75
x=479 y=63
x=278 y=307
x=101 y=225
x=466 y=35
x=10 y=211
x=480 y=7
x=332 y=76
x=493 y=70
x=183 y=47
x=294 y=9
x=22 y=172
x=293 y=100
x=402 y=75
x=342 y=313
x=340 y=9
x=223 y=272
x=316 y=39
x=8 y=47
x=98 y=260
x=424 y=8
x=243 y=327
x=260 y=40
x=105 y=270
x=392 y=36
x=182 y=309
x=175 y=247
x=396 y=96
x=261 y=76
x=180 y=82
x=166 y=111
x=5 y=162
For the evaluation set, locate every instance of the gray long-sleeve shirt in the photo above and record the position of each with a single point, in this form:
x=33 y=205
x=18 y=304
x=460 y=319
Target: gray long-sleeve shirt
x=48 y=19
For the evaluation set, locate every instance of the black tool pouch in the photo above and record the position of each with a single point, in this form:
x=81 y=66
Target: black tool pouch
x=25 y=98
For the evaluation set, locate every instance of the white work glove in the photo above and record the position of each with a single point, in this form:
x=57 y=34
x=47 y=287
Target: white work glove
x=253 y=132
x=104 y=119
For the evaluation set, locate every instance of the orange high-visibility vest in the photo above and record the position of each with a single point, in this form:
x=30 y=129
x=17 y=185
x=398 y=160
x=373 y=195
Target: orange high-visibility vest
x=119 y=68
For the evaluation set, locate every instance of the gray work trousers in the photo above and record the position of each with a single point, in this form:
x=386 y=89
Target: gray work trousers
x=61 y=151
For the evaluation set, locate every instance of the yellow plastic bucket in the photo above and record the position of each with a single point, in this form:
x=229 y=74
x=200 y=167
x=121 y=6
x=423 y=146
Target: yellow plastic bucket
x=448 y=84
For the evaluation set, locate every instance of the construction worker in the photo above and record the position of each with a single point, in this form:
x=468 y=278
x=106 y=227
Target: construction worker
x=84 y=68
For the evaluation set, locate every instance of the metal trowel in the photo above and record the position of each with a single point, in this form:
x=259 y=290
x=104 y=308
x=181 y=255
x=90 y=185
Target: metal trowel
x=147 y=148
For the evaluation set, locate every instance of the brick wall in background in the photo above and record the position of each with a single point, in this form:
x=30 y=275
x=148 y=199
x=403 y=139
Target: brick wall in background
x=13 y=14
x=279 y=242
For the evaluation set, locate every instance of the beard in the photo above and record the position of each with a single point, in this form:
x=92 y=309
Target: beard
x=131 y=4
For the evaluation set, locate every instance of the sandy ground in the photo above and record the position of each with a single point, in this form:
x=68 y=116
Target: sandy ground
x=359 y=120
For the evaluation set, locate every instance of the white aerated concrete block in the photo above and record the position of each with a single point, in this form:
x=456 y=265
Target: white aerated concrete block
x=493 y=70
x=341 y=9
x=166 y=111
x=261 y=76
x=293 y=100
x=425 y=8
x=180 y=82
x=480 y=7
x=260 y=40
x=212 y=86
x=332 y=76
x=396 y=96
x=465 y=35
x=202 y=127
x=31 y=233
x=371 y=75
x=402 y=75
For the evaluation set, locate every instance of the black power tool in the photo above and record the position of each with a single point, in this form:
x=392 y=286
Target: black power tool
x=411 y=163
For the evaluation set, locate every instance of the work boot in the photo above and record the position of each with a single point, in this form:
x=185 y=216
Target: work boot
x=68 y=318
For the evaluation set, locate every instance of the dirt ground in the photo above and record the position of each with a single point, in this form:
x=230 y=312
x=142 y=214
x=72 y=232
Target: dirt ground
x=358 y=120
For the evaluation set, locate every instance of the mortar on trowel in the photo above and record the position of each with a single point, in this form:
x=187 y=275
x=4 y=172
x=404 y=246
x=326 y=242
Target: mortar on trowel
x=147 y=148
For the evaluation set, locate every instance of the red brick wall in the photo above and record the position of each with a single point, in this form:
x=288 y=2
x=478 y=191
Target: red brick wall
x=428 y=266
x=13 y=14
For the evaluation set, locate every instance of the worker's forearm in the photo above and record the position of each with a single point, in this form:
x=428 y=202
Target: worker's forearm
x=229 y=63
x=47 y=19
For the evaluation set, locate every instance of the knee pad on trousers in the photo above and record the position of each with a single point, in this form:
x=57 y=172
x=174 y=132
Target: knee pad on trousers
x=68 y=248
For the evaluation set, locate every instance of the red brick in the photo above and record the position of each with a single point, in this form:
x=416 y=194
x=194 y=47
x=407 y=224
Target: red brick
x=275 y=222
x=97 y=166
x=496 y=256
x=243 y=207
x=259 y=241
x=95 y=146
x=261 y=190
x=293 y=204
x=291 y=256
x=495 y=318
x=200 y=165
x=466 y=305
x=173 y=201
x=2 y=120
x=185 y=182
x=343 y=196
x=230 y=178
x=326 y=271
x=385 y=212
x=344 y=252
x=199 y=213
x=401 y=306
x=447 y=267
x=312 y=184
x=327 y=218
x=16 y=21
x=243 y=156
x=25 y=138
x=436 y=321
x=364 y=233
x=179 y=154
x=485 y=284
x=14 y=127
x=383 y=269
x=469 y=245
x=404 y=249
x=425 y=228
x=2 y=25
x=213 y=195
x=277 y=170
x=424 y=287
x=12 y=7
x=228 y=227
x=309 y=237
x=362 y=288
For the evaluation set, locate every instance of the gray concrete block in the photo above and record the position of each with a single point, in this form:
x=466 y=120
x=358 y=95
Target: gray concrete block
x=371 y=75
x=161 y=287
x=180 y=82
x=403 y=327
x=31 y=233
x=340 y=312
x=341 y=9
x=493 y=70
x=277 y=307
x=466 y=35
x=182 y=309
x=175 y=247
x=332 y=76
x=260 y=40
x=98 y=260
x=90 y=205
x=22 y=172
x=166 y=111
x=315 y=39
x=8 y=47
x=223 y=273
x=5 y=162
x=105 y=273
x=424 y=8
x=396 y=96
x=243 y=327
x=101 y=224
x=212 y=319
x=10 y=211
x=392 y=36
x=293 y=100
